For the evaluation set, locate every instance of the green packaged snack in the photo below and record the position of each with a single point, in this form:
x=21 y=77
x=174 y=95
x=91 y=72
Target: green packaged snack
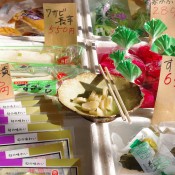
x=48 y=87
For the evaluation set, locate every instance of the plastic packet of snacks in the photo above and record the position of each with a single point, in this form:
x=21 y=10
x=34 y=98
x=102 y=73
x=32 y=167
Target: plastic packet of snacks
x=21 y=18
x=148 y=153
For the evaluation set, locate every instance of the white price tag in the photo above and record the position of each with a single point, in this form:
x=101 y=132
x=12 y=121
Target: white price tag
x=20 y=153
x=15 y=111
x=34 y=162
x=19 y=119
x=26 y=138
x=17 y=128
x=7 y=105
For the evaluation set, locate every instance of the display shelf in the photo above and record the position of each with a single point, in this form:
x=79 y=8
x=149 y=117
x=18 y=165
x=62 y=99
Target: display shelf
x=93 y=142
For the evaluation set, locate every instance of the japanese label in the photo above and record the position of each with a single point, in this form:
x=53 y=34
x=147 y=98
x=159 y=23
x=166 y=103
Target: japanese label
x=16 y=104
x=164 y=10
x=19 y=119
x=60 y=24
x=26 y=138
x=144 y=154
x=17 y=128
x=164 y=107
x=42 y=87
x=34 y=163
x=15 y=111
x=6 y=90
x=19 y=153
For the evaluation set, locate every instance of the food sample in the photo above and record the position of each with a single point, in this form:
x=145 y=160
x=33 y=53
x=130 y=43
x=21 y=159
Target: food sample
x=86 y=94
x=96 y=104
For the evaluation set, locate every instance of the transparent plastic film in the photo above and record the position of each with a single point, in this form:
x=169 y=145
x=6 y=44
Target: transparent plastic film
x=151 y=154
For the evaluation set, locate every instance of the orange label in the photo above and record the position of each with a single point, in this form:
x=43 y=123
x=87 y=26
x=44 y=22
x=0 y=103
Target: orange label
x=21 y=82
x=60 y=21
x=165 y=11
x=6 y=88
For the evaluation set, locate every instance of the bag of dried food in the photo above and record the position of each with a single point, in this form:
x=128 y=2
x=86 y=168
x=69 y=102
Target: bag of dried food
x=21 y=18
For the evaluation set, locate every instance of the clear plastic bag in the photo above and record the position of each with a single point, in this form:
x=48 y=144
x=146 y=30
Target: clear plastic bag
x=108 y=15
x=8 y=10
x=21 y=18
x=151 y=153
x=140 y=13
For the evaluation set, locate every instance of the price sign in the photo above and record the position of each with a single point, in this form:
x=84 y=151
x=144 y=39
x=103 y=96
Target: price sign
x=165 y=11
x=165 y=102
x=60 y=21
x=6 y=89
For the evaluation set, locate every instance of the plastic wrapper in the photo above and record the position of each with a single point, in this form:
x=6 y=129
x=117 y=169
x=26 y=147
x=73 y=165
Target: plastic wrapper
x=40 y=171
x=148 y=152
x=23 y=18
x=29 y=75
x=45 y=78
x=71 y=55
x=140 y=13
x=31 y=23
x=110 y=14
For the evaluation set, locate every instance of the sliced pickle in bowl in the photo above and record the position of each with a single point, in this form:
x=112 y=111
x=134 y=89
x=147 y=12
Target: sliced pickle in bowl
x=87 y=95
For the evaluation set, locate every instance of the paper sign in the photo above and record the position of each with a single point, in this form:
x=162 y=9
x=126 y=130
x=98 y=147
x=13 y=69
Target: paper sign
x=32 y=118
x=14 y=111
x=11 y=129
x=165 y=11
x=54 y=149
x=165 y=101
x=30 y=127
x=14 y=154
x=23 y=138
x=34 y=162
x=5 y=105
x=18 y=119
x=60 y=21
x=6 y=89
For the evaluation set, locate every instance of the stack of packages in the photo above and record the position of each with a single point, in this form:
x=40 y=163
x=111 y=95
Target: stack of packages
x=33 y=139
x=32 y=135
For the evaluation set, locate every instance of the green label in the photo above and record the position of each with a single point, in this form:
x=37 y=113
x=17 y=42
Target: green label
x=136 y=143
x=41 y=87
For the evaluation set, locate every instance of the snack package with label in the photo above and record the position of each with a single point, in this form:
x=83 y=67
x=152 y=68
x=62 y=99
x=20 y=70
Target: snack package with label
x=21 y=18
x=147 y=153
x=31 y=22
x=30 y=75
x=70 y=55
x=33 y=150
x=41 y=78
